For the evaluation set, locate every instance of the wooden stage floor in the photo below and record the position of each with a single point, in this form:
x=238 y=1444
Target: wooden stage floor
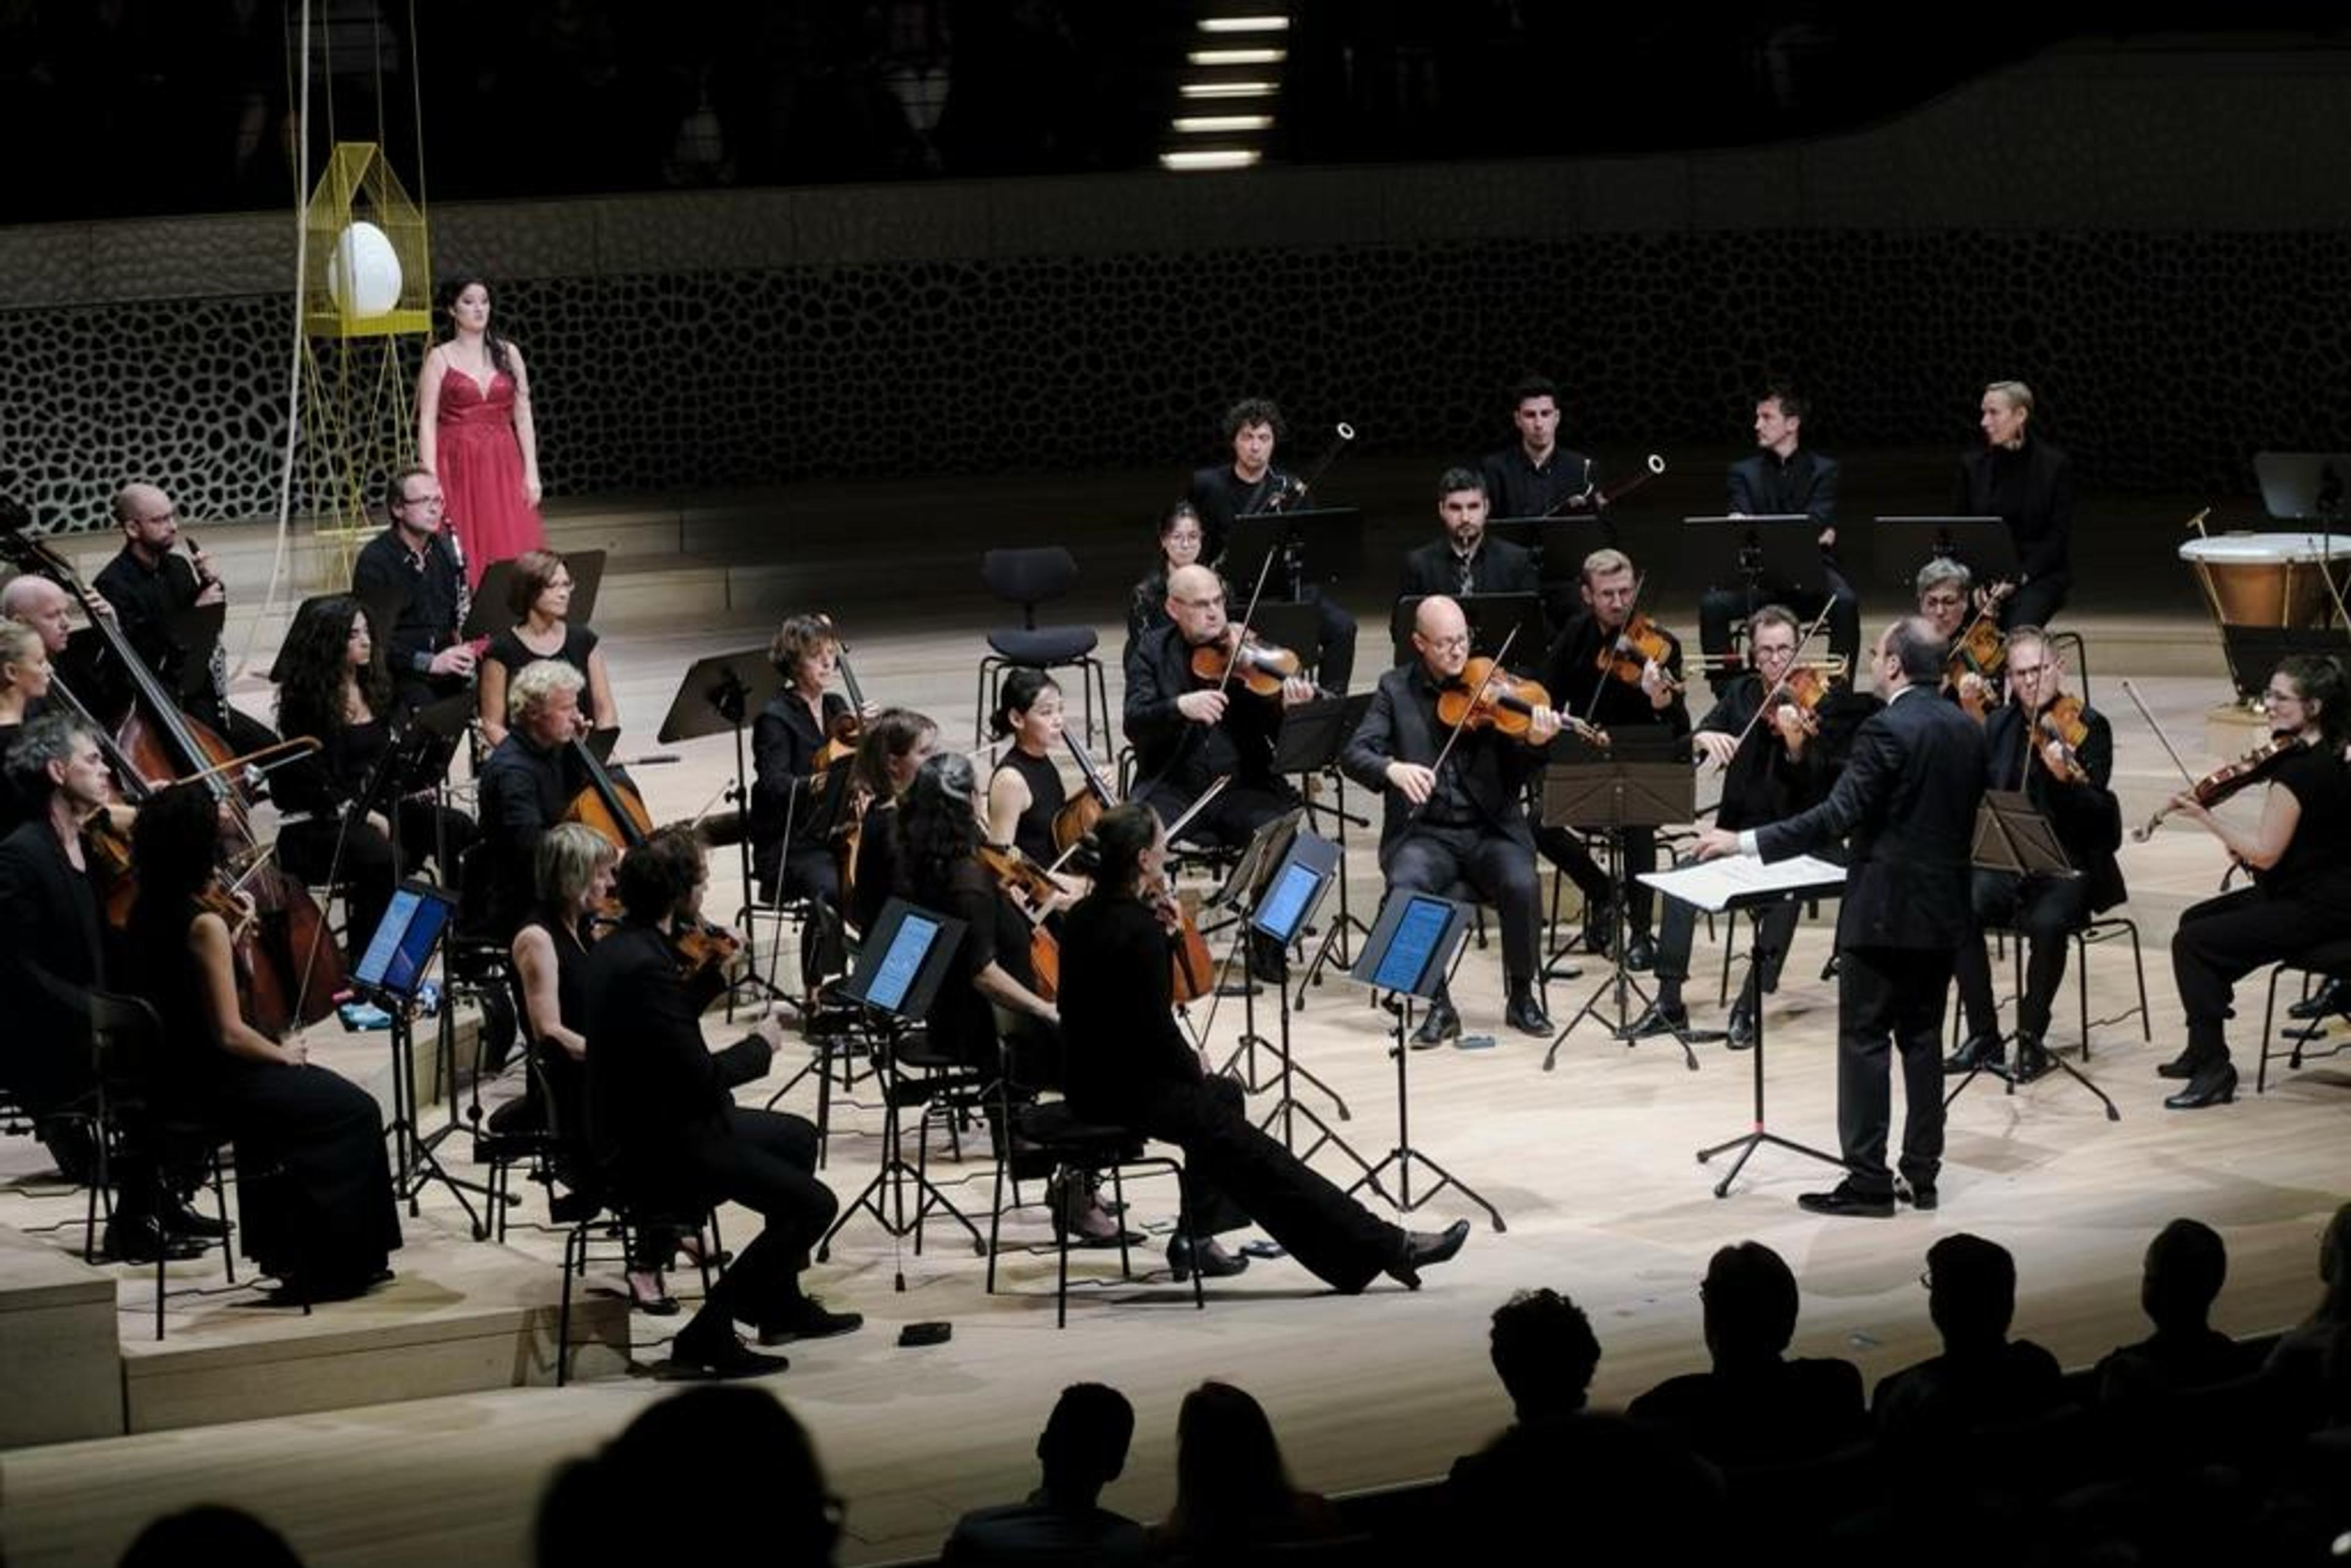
x=1591 y=1164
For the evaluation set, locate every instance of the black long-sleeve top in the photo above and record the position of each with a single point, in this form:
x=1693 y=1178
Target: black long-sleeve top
x=1763 y=783
x=2030 y=488
x=1126 y=1049
x=1185 y=754
x=785 y=739
x=2086 y=817
x=1219 y=496
x=1766 y=485
x=1516 y=487
x=145 y=598
x=524 y=792
x=425 y=589
x=1577 y=684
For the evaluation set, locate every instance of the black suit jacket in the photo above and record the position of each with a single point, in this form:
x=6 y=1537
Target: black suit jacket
x=1907 y=806
x=1499 y=567
x=49 y=921
x=1763 y=783
x=1400 y=725
x=1762 y=485
x=1174 y=751
x=2087 y=817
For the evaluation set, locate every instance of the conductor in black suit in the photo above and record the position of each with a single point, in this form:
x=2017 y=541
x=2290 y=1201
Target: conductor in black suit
x=1906 y=805
x=1464 y=562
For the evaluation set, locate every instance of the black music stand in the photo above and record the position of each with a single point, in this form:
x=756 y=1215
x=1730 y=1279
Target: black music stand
x=1559 y=545
x=389 y=973
x=1716 y=888
x=1611 y=793
x=1492 y=618
x=1331 y=538
x=905 y=958
x=2013 y=837
x=489 y=613
x=1285 y=905
x=195 y=633
x=718 y=696
x=1408 y=954
x=1313 y=733
x=2305 y=487
x=1267 y=849
x=1768 y=549
x=1906 y=544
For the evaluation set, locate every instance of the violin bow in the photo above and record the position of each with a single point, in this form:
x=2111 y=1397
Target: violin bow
x=1462 y=723
x=1764 y=706
x=1240 y=628
x=2132 y=692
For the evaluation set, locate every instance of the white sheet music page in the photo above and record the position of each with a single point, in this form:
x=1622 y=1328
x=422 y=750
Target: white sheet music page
x=1713 y=885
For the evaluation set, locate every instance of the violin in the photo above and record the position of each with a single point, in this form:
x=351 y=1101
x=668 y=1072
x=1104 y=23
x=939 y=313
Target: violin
x=1980 y=650
x=1034 y=888
x=1802 y=687
x=2061 y=724
x=1638 y=645
x=843 y=735
x=1484 y=697
x=1260 y=667
x=2227 y=780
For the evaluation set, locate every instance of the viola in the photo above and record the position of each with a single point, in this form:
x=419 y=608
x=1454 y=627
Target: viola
x=1191 y=968
x=1260 y=667
x=1638 y=645
x=1980 y=650
x=1484 y=697
x=1082 y=810
x=2061 y=724
x=2227 y=780
x=1033 y=888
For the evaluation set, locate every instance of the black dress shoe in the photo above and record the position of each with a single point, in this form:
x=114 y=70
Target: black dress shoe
x=1440 y=1024
x=1641 y=952
x=1208 y=1260
x=1844 y=1198
x=180 y=1220
x=1975 y=1053
x=2215 y=1084
x=2184 y=1065
x=808 y=1319
x=1923 y=1199
x=141 y=1238
x=2031 y=1060
x=1421 y=1248
x=1526 y=1015
x=721 y=1353
x=1741 y=1033
x=2335 y=997
x=1655 y=1020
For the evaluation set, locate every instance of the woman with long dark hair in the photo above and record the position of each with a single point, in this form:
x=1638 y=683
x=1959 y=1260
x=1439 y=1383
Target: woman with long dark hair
x=893 y=747
x=473 y=430
x=315 y=1190
x=1137 y=1071
x=334 y=688
x=2300 y=855
x=1232 y=1490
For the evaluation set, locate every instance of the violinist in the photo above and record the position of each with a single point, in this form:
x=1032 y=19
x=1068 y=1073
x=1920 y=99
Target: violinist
x=1187 y=732
x=894 y=747
x=413 y=575
x=1249 y=485
x=334 y=687
x=1595 y=672
x=795 y=807
x=1025 y=792
x=2299 y=854
x=1463 y=561
x=326 y=1230
x=1775 y=762
x=2060 y=752
x=539 y=595
x=1464 y=822
x=24 y=686
x=1945 y=598
x=527 y=784
x=2028 y=484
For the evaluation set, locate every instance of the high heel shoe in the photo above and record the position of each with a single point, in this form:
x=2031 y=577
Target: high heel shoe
x=2215 y=1084
x=1210 y=1260
x=2184 y=1065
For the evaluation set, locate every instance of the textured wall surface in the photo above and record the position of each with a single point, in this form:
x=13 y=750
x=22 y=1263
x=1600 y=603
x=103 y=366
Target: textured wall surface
x=2150 y=239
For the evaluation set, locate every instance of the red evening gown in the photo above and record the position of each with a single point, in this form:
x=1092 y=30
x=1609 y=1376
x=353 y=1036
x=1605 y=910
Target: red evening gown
x=481 y=473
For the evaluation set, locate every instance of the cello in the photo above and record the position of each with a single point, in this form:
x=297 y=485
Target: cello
x=613 y=811
x=296 y=967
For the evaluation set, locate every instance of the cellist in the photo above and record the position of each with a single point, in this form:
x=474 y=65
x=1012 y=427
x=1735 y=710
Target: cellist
x=1025 y=792
x=791 y=814
x=527 y=783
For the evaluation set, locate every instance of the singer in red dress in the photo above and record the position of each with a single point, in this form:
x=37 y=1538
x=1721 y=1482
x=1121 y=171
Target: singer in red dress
x=473 y=431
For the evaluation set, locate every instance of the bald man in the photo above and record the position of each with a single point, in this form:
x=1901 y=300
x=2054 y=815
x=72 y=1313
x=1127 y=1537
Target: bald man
x=82 y=671
x=1463 y=822
x=150 y=583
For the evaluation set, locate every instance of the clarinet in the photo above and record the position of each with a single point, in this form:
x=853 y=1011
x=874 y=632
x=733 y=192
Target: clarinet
x=465 y=588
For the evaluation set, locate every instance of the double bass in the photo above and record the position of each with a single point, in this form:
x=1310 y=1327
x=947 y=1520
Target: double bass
x=614 y=811
x=296 y=968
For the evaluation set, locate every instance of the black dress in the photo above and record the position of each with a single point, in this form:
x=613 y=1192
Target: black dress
x=314 y=1189
x=1131 y=1067
x=1032 y=834
x=564 y=1078
x=507 y=649
x=334 y=841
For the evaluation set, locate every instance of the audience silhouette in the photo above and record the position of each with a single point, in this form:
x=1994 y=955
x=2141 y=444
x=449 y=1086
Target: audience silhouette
x=1233 y=1494
x=1983 y=1379
x=2185 y=1265
x=1082 y=1450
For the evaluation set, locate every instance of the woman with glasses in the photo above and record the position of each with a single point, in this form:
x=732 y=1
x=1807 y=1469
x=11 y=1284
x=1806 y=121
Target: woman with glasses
x=2299 y=853
x=1180 y=541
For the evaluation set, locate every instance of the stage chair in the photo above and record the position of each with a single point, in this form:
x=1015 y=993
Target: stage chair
x=1028 y=578
x=2327 y=959
x=1077 y=1151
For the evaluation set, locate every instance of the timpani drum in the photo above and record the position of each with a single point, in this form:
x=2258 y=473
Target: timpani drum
x=2270 y=580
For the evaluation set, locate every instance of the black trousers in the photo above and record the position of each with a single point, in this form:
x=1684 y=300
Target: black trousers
x=1231 y=1170
x=368 y=866
x=2044 y=911
x=2223 y=939
x=1720 y=610
x=766 y=1163
x=315 y=1182
x=1565 y=849
x=1891 y=998
x=2036 y=603
x=1336 y=665
x=1502 y=870
x=1679 y=932
x=1231 y=819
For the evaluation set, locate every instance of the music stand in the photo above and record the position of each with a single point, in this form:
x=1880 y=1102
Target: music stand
x=1982 y=545
x=1559 y=545
x=1285 y=905
x=716 y=696
x=1333 y=536
x=2302 y=487
x=1492 y=618
x=1735 y=884
x=1408 y=954
x=389 y=973
x=2014 y=838
x=195 y=632
x=1773 y=549
x=1313 y=735
x=1614 y=791
x=1244 y=885
x=905 y=958
x=490 y=614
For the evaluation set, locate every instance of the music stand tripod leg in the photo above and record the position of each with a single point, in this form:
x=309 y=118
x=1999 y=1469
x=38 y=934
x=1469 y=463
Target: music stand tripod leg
x=1404 y=1156
x=1758 y=1133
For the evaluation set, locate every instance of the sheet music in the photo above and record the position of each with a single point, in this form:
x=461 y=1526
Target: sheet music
x=1712 y=885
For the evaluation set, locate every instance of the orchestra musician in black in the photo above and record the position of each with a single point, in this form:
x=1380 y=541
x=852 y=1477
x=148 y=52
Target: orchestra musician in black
x=1463 y=561
x=527 y=784
x=2026 y=482
x=413 y=578
x=1783 y=478
x=1535 y=477
x=151 y=586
